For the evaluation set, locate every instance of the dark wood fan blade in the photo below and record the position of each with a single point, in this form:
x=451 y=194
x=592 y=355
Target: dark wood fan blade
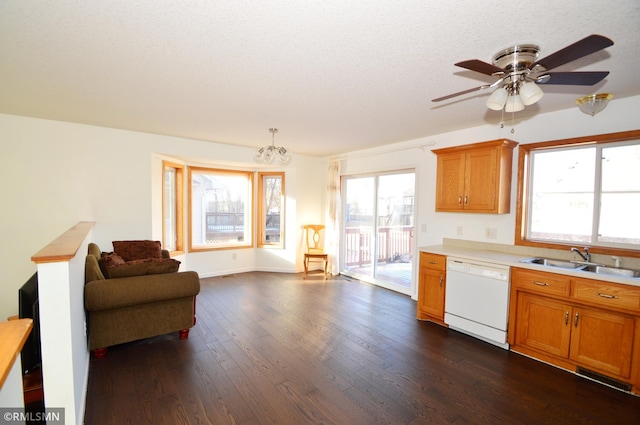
x=460 y=93
x=574 y=78
x=480 y=66
x=584 y=47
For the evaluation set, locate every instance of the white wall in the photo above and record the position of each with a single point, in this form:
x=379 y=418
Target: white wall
x=65 y=355
x=56 y=174
x=620 y=115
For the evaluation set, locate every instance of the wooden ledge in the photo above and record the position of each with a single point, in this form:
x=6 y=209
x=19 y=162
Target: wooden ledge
x=13 y=335
x=65 y=247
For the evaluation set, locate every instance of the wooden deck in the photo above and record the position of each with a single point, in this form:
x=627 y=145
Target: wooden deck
x=396 y=273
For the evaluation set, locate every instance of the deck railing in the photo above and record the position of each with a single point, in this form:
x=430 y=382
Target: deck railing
x=395 y=244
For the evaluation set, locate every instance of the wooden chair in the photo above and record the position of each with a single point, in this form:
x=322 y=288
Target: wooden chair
x=314 y=242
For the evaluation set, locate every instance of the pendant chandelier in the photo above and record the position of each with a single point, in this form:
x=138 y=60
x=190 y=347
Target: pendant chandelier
x=267 y=154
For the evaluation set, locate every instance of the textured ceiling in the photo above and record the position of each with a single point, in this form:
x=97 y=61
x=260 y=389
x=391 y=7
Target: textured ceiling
x=332 y=76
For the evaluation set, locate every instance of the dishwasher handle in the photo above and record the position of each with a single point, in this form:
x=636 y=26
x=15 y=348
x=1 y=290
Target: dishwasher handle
x=492 y=271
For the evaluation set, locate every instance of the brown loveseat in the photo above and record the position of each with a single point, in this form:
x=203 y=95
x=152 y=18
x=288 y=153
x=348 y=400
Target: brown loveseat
x=134 y=298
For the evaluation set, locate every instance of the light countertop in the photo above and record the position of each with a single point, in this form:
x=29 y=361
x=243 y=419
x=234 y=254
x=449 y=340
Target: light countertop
x=513 y=260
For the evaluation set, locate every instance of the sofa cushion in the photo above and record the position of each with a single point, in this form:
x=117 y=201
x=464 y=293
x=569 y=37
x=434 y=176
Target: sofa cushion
x=143 y=267
x=109 y=260
x=137 y=250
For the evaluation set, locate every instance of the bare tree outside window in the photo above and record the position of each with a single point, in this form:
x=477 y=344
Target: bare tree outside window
x=270 y=209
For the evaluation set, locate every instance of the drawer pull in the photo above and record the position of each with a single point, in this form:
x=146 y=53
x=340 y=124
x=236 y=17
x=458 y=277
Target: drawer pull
x=610 y=297
x=460 y=200
x=441 y=279
x=566 y=317
x=535 y=282
x=575 y=321
x=433 y=262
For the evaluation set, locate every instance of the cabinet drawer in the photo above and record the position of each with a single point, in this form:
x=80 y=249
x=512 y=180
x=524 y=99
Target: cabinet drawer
x=540 y=282
x=606 y=294
x=433 y=261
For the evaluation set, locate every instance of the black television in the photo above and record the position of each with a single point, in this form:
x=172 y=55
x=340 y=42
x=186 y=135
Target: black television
x=28 y=306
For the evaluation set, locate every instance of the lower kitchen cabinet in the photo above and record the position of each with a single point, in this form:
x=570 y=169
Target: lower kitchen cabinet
x=431 y=287
x=597 y=339
x=592 y=325
x=542 y=324
x=602 y=341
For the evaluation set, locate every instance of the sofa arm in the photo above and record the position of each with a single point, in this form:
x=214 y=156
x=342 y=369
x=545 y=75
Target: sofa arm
x=127 y=291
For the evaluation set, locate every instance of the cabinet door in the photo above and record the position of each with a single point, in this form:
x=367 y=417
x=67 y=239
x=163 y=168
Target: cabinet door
x=603 y=341
x=543 y=324
x=431 y=294
x=450 y=182
x=481 y=175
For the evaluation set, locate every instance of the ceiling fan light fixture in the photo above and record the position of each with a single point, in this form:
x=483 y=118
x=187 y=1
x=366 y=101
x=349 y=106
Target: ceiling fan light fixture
x=514 y=103
x=593 y=103
x=497 y=99
x=530 y=93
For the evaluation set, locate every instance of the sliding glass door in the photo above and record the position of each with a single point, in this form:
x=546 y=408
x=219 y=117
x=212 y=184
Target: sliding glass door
x=377 y=242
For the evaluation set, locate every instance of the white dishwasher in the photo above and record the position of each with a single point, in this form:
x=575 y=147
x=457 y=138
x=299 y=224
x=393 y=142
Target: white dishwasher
x=477 y=299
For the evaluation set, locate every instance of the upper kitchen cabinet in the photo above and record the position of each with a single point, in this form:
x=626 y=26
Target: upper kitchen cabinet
x=475 y=178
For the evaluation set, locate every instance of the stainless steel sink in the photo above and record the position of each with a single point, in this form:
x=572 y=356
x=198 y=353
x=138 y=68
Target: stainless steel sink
x=576 y=265
x=613 y=271
x=551 y=262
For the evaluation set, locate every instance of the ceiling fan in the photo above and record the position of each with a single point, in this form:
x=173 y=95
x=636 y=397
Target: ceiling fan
x=519 y=71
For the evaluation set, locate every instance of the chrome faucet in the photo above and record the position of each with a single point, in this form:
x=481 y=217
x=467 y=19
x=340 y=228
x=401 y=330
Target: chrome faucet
x=586 y=256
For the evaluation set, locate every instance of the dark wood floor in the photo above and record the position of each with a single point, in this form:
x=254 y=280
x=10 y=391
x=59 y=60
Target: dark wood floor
x=272 y=348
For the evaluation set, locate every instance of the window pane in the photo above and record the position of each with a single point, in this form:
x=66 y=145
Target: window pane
x=271 y=219
x=220 y=209
x=620 y=195
x=359 y=224
x=169 y=242
x=562 y=195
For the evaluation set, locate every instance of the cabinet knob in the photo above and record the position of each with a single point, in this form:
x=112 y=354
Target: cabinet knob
x=566 y=317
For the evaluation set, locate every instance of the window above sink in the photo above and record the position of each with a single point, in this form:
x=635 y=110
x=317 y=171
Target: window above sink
x=582 y=191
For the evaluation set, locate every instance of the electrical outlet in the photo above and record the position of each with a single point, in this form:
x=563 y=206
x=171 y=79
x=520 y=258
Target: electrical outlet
x=459 y=231
x=491 y=233
x=234 y=256
x=423 y=228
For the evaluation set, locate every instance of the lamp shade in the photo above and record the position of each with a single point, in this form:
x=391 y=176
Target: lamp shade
x=514 y=103
x=530 y=93
x=497 y=99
